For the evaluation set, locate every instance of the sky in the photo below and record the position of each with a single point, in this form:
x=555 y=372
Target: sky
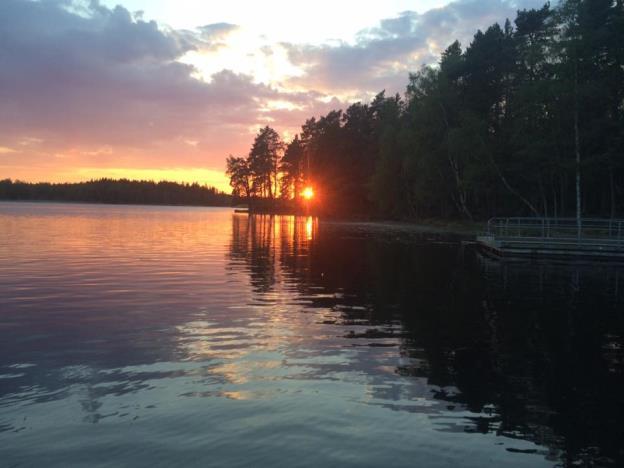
x=167 y=89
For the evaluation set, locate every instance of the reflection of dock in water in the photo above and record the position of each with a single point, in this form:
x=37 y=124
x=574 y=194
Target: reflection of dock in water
x=555 y=317
x=554 y=237
x=543 y=274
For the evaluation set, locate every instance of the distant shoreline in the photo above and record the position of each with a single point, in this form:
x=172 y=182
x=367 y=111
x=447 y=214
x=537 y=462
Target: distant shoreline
x=80 y=202
x=115 y=192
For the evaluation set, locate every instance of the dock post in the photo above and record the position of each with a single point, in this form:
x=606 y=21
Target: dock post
x=579 y=223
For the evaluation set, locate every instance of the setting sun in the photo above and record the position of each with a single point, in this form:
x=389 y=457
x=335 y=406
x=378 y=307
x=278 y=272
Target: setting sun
x=308 y=193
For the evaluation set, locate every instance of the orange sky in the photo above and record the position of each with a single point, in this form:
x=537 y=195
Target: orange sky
x=213 y=178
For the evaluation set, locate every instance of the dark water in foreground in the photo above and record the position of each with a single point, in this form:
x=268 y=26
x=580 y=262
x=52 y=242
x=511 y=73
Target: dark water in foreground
x=158 y=336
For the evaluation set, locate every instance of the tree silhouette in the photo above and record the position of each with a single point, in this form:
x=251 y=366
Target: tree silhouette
x=526 y=120
x=263 y=162
x=240 y=176
x=116 y=191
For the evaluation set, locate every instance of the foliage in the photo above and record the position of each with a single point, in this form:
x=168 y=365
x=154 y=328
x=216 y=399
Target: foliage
x=527 y=120
x=239 y=172
x=263 y=162
x=292 y=169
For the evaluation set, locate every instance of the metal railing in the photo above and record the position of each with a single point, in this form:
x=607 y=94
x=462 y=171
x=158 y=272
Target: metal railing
x=559 y=231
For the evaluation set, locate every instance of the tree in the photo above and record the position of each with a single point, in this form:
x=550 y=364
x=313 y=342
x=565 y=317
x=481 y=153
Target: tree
x=240 y=176
x=292 y=169
x=387 y=184
x=584 y=65
x=524 y=121
x=264 y=161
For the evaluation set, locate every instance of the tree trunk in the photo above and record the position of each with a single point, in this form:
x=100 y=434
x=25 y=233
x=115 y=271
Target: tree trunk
x=461 y=192
x=544 y=199
x=577 y=151
x=505 y=182
x=563 y=195
x=275 y=180
x=511 y=189
x=554 y=192
x=612 y=189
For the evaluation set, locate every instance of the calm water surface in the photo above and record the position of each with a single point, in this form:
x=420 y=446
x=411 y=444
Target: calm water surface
x=162 y=336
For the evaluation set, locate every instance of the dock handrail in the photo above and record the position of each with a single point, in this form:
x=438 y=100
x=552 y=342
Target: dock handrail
x=590 y=230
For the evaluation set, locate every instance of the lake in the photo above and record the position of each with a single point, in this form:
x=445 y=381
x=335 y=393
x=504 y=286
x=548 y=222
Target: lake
x=164 y=336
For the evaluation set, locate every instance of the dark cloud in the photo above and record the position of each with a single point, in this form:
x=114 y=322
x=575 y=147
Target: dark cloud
x=382 y=56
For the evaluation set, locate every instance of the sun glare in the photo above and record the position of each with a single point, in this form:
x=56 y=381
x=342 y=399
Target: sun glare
x=308 y=193
x=309 y=227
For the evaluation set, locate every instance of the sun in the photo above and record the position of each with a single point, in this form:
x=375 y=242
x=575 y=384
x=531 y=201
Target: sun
x=308 y=193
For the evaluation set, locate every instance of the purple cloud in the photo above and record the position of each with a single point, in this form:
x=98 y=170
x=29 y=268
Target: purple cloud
x=382 y=56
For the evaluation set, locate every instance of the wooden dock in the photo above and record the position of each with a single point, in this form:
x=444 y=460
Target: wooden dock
x=554 y=237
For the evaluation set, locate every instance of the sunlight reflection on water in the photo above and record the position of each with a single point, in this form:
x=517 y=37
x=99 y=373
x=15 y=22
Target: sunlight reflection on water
x=153 y=336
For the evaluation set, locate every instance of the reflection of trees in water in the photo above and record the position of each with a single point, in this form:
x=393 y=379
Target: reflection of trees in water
x=252 y=242
x=556 y=339
x=537 y=346
x=264 y=242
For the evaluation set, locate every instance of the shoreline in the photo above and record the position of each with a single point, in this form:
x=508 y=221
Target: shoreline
x=82 y=202
x=463 y=229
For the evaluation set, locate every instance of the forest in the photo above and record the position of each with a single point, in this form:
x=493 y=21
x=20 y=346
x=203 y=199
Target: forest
x=527 y=120
x=121 y=191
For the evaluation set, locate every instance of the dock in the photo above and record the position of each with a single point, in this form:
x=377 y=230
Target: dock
x=554 y=237
x=241 y=208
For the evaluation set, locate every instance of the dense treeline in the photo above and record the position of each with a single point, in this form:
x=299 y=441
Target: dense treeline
x=116 y=191
x=527 y=120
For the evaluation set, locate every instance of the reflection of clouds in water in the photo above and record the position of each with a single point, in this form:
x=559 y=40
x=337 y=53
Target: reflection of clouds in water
x=241 y=337
x=357 y=356
x=445 y=330
x=292 y=317
x=155 y=308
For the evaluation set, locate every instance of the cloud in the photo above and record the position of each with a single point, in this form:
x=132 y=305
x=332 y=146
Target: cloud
x=86 y=86
x=217 y=30
x=78 y=77
x=104 y=78
x=382 y=56
x=207 y=38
